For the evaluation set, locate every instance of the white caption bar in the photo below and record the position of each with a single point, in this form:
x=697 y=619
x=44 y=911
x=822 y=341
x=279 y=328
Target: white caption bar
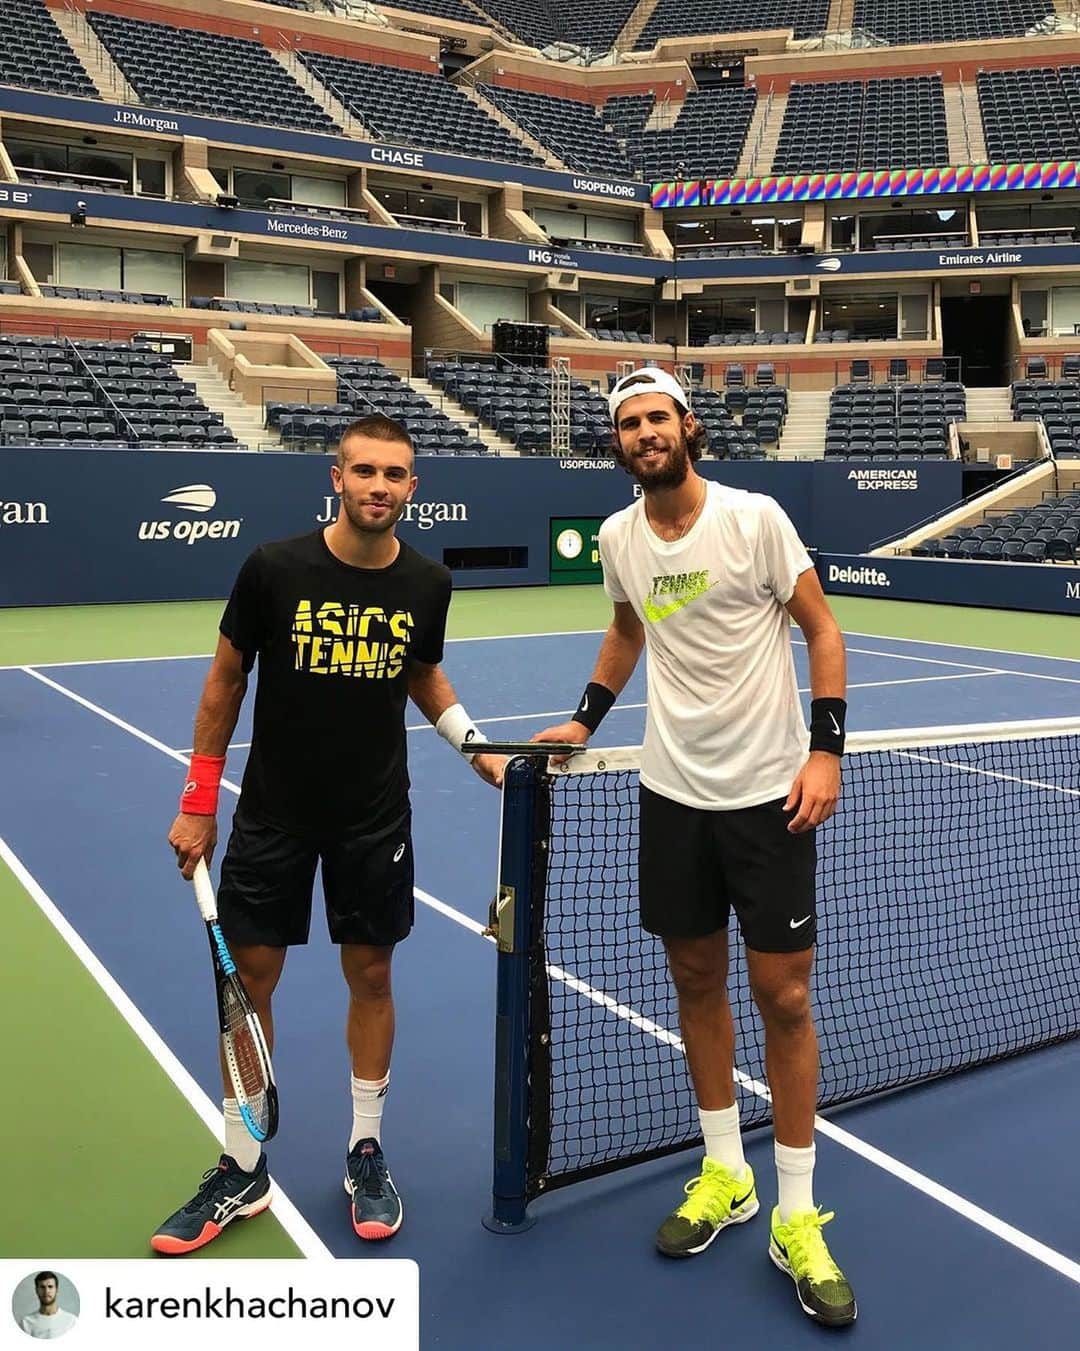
x=373 y=1303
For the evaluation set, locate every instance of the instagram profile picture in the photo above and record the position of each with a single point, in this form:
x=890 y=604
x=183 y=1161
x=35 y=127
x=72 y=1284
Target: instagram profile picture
x=45 y=1305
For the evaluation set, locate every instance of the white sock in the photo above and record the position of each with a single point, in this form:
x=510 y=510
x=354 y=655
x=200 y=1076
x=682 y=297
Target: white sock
x=795 y=1177
x=368 y=1097
x=240 y=1144
x=723 y=1140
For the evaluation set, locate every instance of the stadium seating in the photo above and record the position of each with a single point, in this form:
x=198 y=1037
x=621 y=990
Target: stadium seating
x=199 y=72
x=626 y=114
x=706 y=139
x=879 y=124
x=753 y=339
x=517 y=404
x=898 y=21
x=56 y=392
x=1030 y=114
x=1057 y=403
x=365 y=385
x=1046 y=532
x=442 y=9
x=35 y=54
x=573 y=130
x=420 y=109
x=676 y=18
x=108 y=297
x=903 y=421
x=618 y=335
x=540 y=23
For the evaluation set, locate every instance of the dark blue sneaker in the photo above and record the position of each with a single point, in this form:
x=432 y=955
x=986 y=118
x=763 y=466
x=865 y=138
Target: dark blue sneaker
x=226 y=1193
x=376 y=1206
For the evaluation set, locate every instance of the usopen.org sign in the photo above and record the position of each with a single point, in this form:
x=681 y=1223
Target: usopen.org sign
x=199 y=499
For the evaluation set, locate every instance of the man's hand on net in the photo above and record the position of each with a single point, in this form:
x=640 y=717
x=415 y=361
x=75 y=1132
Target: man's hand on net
x=193 y=837
x=575 y=732
x=490 y=768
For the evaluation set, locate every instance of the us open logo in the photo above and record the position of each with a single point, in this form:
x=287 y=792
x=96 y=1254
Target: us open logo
x=200 y=499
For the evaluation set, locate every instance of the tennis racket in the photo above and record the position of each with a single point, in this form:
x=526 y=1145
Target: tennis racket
x=246 y=1055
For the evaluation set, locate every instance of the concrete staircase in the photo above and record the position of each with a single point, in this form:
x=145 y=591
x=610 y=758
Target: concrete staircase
x=634 y=25
x=963 y=123
x=841 y=16
x=763 y=136
x=346 y=120
x=244 y=419
x=969 y=95
x=803 y=436
x=989 y=405
x=105 y=75
x=498 y=445
x=514 y=128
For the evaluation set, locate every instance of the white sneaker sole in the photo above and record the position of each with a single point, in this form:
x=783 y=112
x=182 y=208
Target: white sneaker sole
x=781 y=1264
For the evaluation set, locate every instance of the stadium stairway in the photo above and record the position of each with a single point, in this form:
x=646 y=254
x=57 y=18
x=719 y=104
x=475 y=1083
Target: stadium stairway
x=518 y=132
x=989 y=405
x=105 y=75
x=803 y=435
x=841 y=16
x=343 y=116
x=497 y=444
x=245 y=419
x=963 y=123
x=762 y=136
x=633 y=27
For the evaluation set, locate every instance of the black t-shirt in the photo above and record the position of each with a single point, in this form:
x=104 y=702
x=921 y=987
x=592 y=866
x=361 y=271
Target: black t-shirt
x=334 y=645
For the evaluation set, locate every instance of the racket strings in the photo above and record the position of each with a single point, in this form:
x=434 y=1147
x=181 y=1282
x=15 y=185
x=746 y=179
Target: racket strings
x=244 y=1043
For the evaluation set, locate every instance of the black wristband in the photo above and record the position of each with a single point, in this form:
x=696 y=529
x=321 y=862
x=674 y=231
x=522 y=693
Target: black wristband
x=827 y=725
x=595 y=704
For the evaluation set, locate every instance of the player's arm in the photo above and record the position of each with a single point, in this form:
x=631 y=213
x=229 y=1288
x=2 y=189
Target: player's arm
x=816 y=789
x=615 y=662
x=194 y=832
x=434 y=696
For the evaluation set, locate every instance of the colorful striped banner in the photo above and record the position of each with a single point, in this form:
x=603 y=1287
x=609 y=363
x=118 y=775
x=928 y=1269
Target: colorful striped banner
x=867 y=184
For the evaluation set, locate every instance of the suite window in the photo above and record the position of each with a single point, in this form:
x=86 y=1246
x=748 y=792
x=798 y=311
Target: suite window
x=862 y=317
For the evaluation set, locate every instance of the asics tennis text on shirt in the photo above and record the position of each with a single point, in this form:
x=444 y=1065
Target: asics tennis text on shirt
x=725 y=728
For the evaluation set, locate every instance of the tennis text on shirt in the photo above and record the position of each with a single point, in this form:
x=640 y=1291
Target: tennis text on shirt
x=337 y=638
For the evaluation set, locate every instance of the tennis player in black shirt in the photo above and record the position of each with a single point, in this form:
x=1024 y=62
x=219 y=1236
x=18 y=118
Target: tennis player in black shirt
x=347 y=623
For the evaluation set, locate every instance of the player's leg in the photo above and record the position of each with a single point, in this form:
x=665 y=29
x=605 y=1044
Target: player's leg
x=682 y=901
x=771 y=875
x=264 y=906
x=368 y=881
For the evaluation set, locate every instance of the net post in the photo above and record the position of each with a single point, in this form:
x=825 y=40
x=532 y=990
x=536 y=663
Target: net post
x=512 y=925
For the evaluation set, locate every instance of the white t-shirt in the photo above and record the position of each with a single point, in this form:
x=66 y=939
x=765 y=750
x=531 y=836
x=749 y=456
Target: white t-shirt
x=47 y=1327
x=724 y=726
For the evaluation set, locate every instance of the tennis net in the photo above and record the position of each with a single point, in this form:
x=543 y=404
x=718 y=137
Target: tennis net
x=949 y=936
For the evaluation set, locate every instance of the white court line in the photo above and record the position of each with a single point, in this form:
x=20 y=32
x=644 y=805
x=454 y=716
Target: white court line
x=565 y=712
x=576 y=633
x=896 y=1168
x=961 y=768
x=288 y=1216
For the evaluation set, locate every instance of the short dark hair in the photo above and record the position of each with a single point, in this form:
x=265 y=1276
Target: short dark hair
x=697 y=442
x=46 y=1276
x=376 y=427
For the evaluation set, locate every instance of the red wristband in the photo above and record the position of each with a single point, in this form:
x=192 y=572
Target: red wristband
x=200 y=795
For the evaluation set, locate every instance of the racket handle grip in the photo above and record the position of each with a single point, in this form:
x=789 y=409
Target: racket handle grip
x=204 y=891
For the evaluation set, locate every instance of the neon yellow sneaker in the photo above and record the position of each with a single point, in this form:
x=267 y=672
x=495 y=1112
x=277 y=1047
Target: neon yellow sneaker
x=714 y=1199
x=799 y=1249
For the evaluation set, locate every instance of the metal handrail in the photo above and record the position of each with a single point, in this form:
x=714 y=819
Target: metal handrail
x=119 y=412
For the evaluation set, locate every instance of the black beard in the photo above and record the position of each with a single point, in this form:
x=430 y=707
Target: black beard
x=371 y=527
x=672 y=475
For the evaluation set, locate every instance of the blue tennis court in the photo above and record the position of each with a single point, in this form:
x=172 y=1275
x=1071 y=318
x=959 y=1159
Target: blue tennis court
x=955 y=1214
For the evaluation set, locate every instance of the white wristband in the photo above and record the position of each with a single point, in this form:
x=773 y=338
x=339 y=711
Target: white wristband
x=456 y=727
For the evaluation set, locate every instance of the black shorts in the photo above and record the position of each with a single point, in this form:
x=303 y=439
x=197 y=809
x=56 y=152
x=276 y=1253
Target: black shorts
x=267 y=877
x=695 y=865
